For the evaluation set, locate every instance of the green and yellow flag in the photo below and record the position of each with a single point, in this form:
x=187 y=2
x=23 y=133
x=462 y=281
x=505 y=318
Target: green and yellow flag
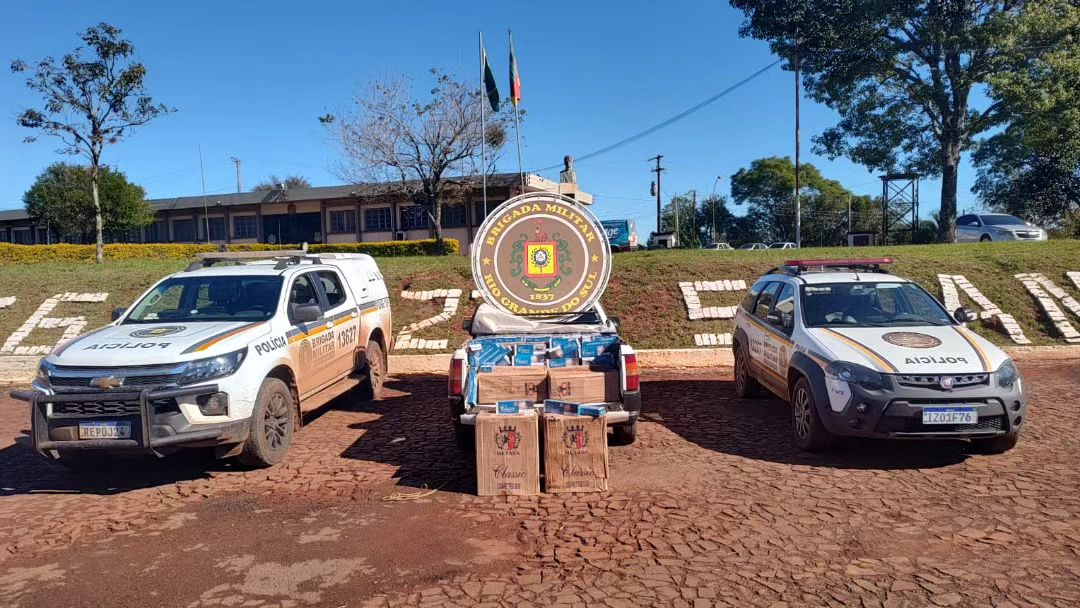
x=491 y=90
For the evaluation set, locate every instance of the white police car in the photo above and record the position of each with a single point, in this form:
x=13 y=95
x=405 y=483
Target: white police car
x=859 y=352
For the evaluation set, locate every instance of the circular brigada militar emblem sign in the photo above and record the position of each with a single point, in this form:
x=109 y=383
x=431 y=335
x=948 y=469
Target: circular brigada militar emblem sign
x=541 y=254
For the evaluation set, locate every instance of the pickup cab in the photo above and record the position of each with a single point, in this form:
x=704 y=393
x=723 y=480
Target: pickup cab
x=558 y=346
x=227 y=354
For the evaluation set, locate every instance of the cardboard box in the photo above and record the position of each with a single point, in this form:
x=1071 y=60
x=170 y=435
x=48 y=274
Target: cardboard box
x=507 y=454
x=508 y=383
x=584 y=385
x=575 y=454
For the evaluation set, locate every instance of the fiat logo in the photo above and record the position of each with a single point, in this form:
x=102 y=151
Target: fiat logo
x=946 y=382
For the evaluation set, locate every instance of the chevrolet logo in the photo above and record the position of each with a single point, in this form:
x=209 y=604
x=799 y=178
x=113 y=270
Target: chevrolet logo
x=107 y=382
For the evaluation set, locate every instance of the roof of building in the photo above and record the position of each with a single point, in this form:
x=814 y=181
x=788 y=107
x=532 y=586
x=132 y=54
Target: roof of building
x=355 y=191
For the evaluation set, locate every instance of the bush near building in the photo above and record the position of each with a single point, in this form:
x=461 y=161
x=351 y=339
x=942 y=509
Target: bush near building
x=36 y=254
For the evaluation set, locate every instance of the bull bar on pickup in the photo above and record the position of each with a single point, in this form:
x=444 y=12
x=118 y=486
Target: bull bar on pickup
x=138 y=408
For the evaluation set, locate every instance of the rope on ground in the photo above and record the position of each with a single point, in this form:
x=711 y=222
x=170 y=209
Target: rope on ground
x=423 y=493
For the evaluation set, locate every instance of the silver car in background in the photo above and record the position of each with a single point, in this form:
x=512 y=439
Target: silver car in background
x=996 y=227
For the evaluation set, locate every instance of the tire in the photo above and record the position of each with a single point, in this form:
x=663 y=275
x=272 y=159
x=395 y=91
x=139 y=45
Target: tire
x=745 y=385
x=465 y=436
x=996 y=445
x=624 y=434
x=371 y=388
x=985 y=238
x=810 y=433
x=272 y=424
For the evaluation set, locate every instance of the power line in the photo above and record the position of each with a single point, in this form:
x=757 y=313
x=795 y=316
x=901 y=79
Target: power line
x=669 y=121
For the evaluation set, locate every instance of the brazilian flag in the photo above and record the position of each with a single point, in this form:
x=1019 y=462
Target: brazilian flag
x=490 y=89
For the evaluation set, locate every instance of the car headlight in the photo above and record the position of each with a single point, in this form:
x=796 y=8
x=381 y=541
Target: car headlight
x=208 y=369
x=42 y=378
x=1007 y=374
x=1003 y=231
x=853 y=373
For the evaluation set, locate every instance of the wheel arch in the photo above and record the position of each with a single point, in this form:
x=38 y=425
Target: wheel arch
x=802 y=366
x=286 y=374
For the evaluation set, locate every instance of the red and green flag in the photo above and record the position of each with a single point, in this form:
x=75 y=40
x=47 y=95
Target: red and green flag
x=491 y=90
x=515 y=78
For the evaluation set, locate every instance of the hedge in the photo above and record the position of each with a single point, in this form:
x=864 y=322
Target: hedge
x=35 y=254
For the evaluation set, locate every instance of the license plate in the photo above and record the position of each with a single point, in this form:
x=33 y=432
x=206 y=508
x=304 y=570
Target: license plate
x=104 y=430
x=949 y=415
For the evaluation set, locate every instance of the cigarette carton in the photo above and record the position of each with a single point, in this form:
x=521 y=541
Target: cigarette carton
x=507 y=454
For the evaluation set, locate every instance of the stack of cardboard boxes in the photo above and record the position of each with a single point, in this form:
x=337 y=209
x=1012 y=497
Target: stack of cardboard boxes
x=565 y=382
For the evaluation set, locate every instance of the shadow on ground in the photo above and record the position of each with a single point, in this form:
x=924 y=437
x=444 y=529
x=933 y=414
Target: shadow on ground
x=707 y=413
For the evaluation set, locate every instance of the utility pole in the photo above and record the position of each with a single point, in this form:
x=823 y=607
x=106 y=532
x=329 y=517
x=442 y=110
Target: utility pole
x=849 y=213
x=798 y=202
x=657 y=171
x=712 y=228
x=693 y=218
x=239 y=188
x=206 y=211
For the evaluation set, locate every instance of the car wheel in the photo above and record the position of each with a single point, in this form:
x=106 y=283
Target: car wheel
x=371 y=388
x=624 y=434
x=985 y=238
x=810 y=433
x=465 y=436
x=745 y=385
x=272 y=424
x=997 y=445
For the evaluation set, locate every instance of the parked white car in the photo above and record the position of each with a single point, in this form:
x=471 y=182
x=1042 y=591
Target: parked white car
x=753 y=246
x=718 y=247
x=223 y=356
x=996 y=227
x=784 y=245
x=859 y=352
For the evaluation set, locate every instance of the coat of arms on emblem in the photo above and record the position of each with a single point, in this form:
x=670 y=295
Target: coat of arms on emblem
x=576 y=437
x=507 y=438
x=544 y=258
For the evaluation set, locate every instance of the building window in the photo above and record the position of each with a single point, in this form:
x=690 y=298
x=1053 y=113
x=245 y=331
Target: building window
x=342 y=221
x=478 y=211
x=4 y=238
x=22 y=236
x=453 y=216
x=377 y=220
x=158 y=232
x=183 y=231
x=217 y=228
x=413 y=217
x=43 y=236
x=244 y=227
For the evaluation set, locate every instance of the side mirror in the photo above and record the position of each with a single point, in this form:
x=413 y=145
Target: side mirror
x=466 y=324
x=117 y=313
x=306 y=313
x=964 y=315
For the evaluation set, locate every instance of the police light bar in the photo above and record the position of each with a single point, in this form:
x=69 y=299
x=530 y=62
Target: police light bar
x=847 y=263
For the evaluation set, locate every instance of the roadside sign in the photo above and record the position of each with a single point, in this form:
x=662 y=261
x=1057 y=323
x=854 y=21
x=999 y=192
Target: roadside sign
x=541 y=254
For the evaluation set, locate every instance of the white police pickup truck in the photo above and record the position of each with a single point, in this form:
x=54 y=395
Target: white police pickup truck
x=860 y=352
x=223 y=356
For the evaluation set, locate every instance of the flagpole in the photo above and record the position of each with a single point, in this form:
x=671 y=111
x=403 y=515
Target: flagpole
x=517 y=120
x=483 y=128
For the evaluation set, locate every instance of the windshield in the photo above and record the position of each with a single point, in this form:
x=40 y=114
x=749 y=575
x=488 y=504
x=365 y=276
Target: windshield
x=1001 y=220
x=209 y=298
x=870 y=305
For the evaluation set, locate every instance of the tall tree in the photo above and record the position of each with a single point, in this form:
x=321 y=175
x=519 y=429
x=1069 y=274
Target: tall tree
x=1031 y=168
x=418 y=142
x=717 y=222
x=900 y=74
x=62 y=199
x=90 y=102
x=273 y=182
x=689 y=233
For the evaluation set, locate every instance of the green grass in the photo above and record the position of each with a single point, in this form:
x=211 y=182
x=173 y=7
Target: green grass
x=643 y=291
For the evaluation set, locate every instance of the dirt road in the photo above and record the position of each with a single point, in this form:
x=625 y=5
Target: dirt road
x=712 y=506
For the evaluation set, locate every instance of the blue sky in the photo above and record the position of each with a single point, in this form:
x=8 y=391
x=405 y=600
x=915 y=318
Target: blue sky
x=249 y=80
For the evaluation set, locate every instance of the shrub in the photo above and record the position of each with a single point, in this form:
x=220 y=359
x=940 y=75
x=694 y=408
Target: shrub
x=36 y=254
